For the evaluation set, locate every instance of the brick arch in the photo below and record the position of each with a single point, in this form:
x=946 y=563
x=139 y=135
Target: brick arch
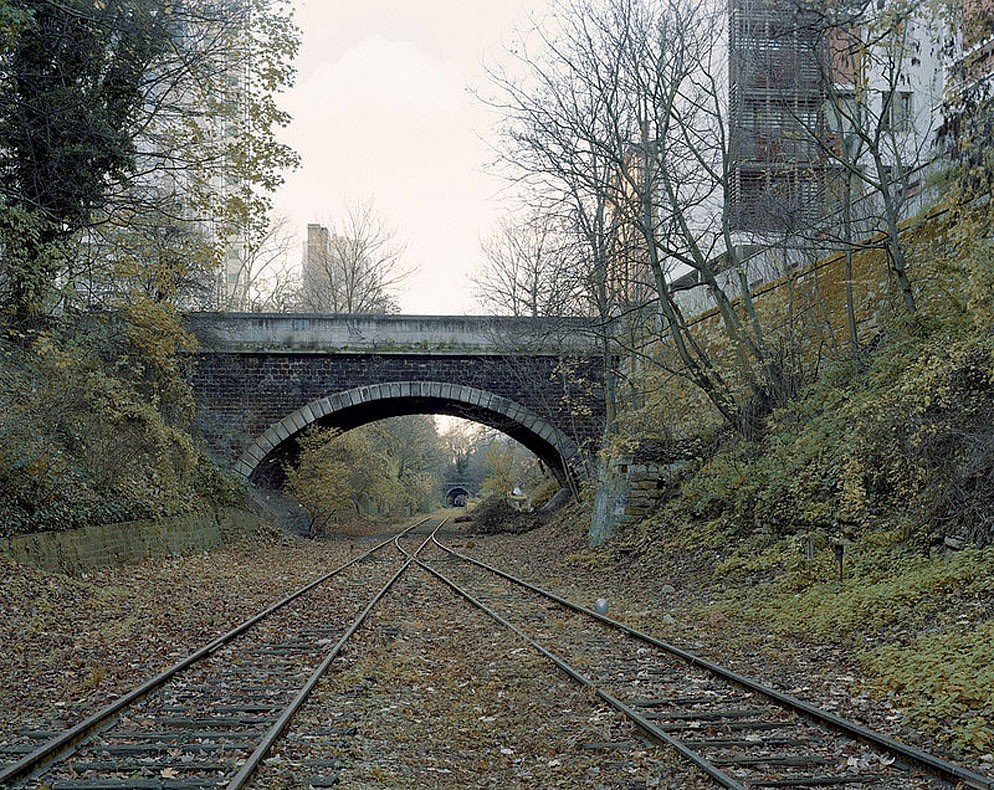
x=360 y=405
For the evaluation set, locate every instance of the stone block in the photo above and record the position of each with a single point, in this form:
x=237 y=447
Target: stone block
x=254 y=453
x=270 y=439
x=546 y=432
x=298 y=421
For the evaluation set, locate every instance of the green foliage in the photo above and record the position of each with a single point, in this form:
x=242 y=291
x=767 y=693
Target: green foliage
x=891 y=450
x=153 y=340
x=920 y=625
x=28 y=261
x=945 y=682
x=387 y=468
x=499 y=465
x=122 y=126
x=13 y=20
x=906 y=443
x=321 y=478
x=884 y=586
x=87 y=433
x=509 y=465
x=71 y=86
x=259 y=44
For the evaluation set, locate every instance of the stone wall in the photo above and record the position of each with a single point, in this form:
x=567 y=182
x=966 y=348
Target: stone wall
x=630 y=491
x=78 y=550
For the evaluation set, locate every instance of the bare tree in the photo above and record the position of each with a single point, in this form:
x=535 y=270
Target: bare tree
x=357 y=267
x=625 y=123
x=263 y=272
x=613 y=114
x=529 y=270
x=553 y=124
x=879 y=130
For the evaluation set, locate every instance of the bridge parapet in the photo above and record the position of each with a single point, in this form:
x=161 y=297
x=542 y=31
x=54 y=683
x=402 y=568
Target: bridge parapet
x=305 y=333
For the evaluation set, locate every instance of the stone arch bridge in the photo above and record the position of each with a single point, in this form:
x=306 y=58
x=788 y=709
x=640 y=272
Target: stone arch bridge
x=260 y=379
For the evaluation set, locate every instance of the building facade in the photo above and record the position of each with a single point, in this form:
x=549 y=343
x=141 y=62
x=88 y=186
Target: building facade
x=830 y=106
x=776 y=96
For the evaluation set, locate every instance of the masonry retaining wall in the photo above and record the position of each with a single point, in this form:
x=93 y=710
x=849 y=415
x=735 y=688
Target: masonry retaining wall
x=628 y=492
x=79 y=550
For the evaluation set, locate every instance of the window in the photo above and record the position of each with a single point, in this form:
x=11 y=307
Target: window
x=897 y=113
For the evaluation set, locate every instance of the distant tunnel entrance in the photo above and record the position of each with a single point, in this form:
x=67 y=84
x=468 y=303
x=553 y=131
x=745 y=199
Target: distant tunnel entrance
x=457 y=496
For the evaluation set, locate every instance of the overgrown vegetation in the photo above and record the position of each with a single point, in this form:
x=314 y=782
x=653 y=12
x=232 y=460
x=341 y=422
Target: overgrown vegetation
x=94 y=426
x=890 y=455
x=825 y=377
x=137 y=146
x=920 y=625
x=401 y=466
x=385 y=469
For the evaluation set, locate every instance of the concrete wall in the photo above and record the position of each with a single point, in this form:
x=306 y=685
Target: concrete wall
x=76 y=551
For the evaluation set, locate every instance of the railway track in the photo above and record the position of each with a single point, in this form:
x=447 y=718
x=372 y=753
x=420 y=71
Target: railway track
x=737 y=731
x=210 y=719
x=322 y=735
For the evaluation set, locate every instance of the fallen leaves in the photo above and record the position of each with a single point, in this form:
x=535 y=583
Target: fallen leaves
x=72 y=644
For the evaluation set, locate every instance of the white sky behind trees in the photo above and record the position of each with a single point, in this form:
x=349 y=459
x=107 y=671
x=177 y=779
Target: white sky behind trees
x=383 y=108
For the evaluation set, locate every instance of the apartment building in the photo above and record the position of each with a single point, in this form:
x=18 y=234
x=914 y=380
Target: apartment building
x=816 y=89
x=829 y=104
x=775 y=101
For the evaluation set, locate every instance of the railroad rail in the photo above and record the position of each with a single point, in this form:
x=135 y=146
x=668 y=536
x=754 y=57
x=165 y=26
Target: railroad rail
x=738 y=731
x=210 y=719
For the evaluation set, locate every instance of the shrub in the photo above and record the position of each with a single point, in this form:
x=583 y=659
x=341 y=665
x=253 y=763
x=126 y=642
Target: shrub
x=95 y=432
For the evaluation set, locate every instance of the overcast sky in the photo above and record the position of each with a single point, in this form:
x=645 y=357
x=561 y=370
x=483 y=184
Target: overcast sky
x=383 y=108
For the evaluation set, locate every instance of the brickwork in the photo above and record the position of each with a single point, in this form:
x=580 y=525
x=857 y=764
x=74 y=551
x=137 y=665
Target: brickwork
x=251 y=392
x=251 y=404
